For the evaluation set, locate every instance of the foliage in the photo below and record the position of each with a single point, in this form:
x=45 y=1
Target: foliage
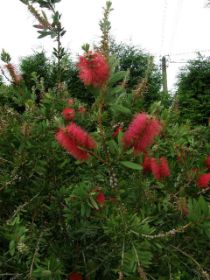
x=194 y=90
x=54 y=223
x=140 y=67
x=34 y=68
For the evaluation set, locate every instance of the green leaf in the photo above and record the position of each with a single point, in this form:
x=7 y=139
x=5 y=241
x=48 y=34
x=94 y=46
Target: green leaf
x=131 y=165
x=12 y=247
x=44 y=33
x=121 y=109
x=119 y=140
x=116 y=77
x=113 y=147
x=93 y=203
x=203 y=206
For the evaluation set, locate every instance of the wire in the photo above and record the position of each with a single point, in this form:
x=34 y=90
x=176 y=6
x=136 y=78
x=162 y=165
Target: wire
x=178 y=62
x=192 y=52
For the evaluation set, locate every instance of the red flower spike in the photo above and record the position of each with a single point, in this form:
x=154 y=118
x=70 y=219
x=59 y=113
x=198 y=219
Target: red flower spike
x=75 y=276
x=204 y=181
x=155 y=168
x=82 y=110
x=68 y=114
x=141 y=132
x=147 y=164
x=116 y=131
x=164 y=168
x=135 y=129
x=93 y=69
x=100 y=198
x=80 y=136
x=70 y=101
x=208 y=162
x=152 y=130
x=185 y=210
x=68 y=144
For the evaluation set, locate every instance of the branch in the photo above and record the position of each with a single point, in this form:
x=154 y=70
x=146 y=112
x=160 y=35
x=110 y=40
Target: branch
x=34 y=256
x=171 y=232
x=203 y=272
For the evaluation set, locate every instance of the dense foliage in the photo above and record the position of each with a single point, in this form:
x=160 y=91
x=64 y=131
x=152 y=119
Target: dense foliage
x=194 y=91
x=104 y=191
x=141 y=70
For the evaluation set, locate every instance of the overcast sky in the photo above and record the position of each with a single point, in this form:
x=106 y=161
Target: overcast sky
x=161 y=27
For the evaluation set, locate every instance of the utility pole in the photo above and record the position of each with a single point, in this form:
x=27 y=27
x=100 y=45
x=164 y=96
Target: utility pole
x=164 y=75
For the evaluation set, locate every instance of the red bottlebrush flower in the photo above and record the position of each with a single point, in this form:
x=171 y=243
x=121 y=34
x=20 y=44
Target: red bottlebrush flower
x=141 y=132
x=74 y=139
x=82 y=110
x=100 y=198
x=75 y=276
x=135 y=129
x=152 y=130
x=68 y=114
x=93 y=69
x=185 y=210
x=147 y=164
x=208 y=162
x=116 y=131
x=204 y=181
x=155 y=167
x=80 y=136
x=70 y=101
x=68 y=144
x=164 y=168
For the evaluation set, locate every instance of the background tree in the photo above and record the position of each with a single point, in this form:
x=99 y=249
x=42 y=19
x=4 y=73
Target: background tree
x=36 y=66
x=137 y=61
x=194 y=91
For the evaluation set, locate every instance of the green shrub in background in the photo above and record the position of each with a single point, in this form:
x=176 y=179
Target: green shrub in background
x=104 y=218
x=194 y=91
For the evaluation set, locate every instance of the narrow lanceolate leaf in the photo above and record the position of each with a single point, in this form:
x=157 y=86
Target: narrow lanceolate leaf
x=93 y=203
x=117 y=77
x=121 y=109
x=131 y=165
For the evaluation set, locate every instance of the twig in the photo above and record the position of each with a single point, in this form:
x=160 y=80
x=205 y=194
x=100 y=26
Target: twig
x=171 y=232
x=21 y=207
x=35 y=254
x=141 y=271
x=5 y=76
x=121 y=277
x=203 y=272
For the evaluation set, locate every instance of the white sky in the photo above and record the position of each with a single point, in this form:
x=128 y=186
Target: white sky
x=158 y=26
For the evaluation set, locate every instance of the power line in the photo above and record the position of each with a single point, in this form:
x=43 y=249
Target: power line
x=179 y=62
x=191 y=52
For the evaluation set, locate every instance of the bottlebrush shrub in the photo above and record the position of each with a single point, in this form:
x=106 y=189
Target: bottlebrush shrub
x=102 y=217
